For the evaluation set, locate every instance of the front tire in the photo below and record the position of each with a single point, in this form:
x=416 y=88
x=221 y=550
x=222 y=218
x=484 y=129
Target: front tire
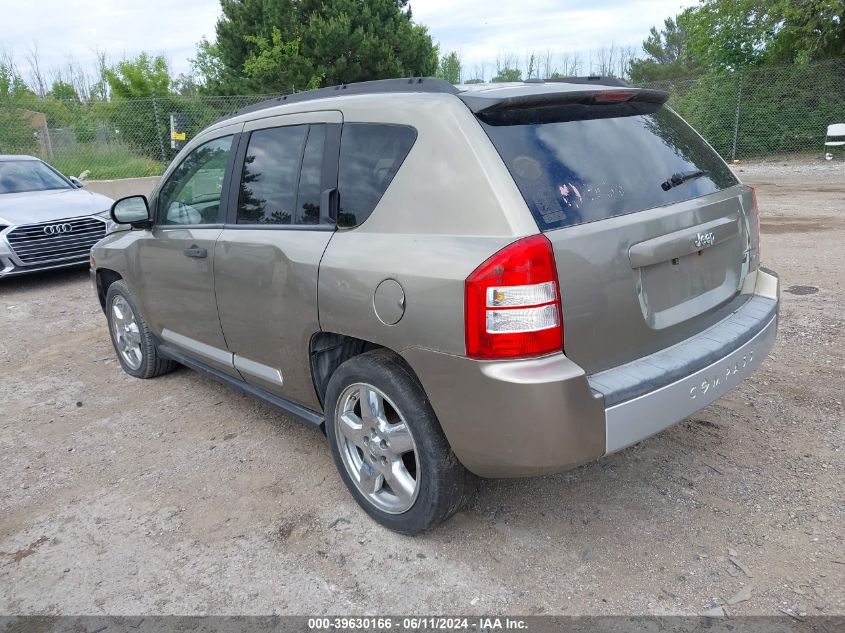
x=132 y=340
x=388 y=445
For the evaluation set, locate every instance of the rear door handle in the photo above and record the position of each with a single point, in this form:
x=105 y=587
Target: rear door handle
x=195 y=251
x=329 y=204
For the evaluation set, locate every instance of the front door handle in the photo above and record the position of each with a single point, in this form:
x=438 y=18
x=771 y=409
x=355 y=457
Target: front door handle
x=195 y=251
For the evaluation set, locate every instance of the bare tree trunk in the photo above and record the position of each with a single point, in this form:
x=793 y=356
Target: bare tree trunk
x=546 y=64
x=532 y=67
x=78 y=78
x=36 y=76
x=102 y=84
x=627 y=55
x=7 y=63
x=605 y=57
x=577 y=64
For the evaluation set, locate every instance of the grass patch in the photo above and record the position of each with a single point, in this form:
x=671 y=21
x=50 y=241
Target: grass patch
x=105 y=162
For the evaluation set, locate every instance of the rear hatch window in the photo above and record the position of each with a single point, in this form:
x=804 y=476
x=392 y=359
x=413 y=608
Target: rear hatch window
x=576 y=164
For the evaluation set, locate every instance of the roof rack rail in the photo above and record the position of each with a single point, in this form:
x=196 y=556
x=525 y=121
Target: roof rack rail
x=407 y=84
x=592 y=79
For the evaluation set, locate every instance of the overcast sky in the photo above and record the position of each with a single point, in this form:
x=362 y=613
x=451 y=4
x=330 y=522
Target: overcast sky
x=478 y=29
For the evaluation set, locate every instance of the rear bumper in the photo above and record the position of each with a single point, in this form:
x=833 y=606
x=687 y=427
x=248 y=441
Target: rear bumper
x=522 y=418
x=630 y=421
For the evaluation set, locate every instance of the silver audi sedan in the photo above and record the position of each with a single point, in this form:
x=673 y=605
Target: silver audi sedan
x=47 y=220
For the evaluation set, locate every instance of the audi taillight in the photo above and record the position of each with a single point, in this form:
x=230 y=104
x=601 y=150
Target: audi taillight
x=512 y=303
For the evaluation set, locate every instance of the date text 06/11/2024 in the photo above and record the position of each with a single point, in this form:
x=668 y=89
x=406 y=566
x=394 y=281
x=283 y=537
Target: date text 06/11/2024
x=420 y=623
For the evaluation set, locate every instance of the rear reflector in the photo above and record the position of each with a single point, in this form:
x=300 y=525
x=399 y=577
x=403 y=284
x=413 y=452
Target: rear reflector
x=512 y=303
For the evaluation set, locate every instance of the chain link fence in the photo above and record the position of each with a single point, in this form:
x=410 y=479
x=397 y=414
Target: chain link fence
x=105 y=140
x=755 y=112
x=744 y=114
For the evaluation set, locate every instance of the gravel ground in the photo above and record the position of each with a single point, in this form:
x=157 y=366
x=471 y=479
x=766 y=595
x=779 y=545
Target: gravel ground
x=178 y=495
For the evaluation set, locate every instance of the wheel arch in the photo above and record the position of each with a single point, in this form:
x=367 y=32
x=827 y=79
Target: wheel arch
x=329 y=350
x=105 y=278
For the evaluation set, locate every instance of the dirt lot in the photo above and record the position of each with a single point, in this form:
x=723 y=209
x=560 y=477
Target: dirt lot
x=178 y=495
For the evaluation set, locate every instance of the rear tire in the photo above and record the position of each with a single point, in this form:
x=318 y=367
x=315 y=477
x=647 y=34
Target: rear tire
x=388 y=445
x=132 y=340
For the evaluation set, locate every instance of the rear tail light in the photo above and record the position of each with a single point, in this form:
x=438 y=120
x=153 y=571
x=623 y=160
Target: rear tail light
x=512 y=303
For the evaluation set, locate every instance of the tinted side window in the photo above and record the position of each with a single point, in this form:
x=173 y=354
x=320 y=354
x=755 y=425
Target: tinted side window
x=370 y=156
x=270 y=175
x=191 y=194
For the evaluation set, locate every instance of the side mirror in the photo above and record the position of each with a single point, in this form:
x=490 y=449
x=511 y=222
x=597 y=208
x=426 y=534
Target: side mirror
x=76 y=182
x=132 y=210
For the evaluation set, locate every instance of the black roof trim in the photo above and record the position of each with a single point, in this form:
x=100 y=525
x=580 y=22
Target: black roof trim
x=408 y=84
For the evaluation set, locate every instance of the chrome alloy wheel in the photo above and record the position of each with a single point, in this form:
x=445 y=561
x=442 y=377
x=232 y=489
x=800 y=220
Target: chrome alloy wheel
x=377 y=448
x=127 y=337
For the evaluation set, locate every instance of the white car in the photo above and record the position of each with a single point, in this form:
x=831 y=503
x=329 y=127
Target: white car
x=47 y=220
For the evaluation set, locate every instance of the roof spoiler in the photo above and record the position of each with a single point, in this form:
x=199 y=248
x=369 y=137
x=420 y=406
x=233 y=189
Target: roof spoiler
x=599 y=80
x=481 y=103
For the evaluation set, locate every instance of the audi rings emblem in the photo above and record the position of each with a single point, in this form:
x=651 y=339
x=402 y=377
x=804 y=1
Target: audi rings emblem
x=55 y=229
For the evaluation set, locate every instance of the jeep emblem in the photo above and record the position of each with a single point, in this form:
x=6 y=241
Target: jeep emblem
x=703 y=240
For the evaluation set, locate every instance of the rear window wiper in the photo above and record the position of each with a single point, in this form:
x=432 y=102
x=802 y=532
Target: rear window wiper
x=681 y=177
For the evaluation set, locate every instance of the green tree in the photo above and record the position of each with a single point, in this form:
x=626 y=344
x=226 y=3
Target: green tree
x=506 y=73
x=807 y=30
x=243 y=19
x=450 y=68
x=281 y=45
x=280 y=64
x=208 y=70
x=782 y=109
x=12 y=85
x=17 y=136
x=732 y=33
x=139 y=78
x=185 y=85
x=667 y=53
x=729 y=34
x=63 y=91
x=133 y=111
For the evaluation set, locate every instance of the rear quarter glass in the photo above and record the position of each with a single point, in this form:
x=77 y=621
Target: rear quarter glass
x=575 y=164
x=370 y=156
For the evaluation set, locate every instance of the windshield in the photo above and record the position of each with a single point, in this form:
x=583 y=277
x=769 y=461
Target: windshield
x=580 y=164
x=17 y=176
